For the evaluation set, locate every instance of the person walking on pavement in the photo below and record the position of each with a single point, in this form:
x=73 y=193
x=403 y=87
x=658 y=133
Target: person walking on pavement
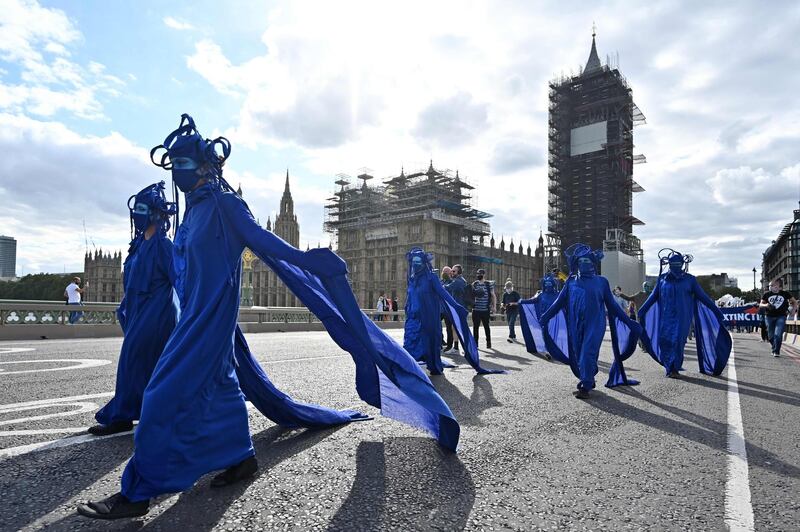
x=485 y=304
x=511 y=300
x=776 y=304
x=73 y=293
x=456 y=288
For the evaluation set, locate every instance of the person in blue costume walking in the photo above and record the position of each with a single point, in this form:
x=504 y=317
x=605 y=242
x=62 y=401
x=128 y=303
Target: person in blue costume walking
x=578 y=320
x=147 y=312
x=531 y=311
x=667 y=316
x=194 y=419
x=426 y=300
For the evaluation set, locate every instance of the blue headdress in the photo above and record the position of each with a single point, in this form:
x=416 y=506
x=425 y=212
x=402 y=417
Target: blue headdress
x=578 y=251
x=549 y=278
x=191 y=157
x=150 y=206
x=670 y=257
x=418 y=261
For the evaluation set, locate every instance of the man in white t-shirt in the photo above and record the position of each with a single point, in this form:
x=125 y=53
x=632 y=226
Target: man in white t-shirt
x=73 y=294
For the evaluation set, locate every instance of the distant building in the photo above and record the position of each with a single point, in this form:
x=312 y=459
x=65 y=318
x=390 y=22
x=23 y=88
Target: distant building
x=781 y=260
x=8 y=258
x=718 y=281
x=590 y=171
x=103 y=271
x=267 y=289
x=374 y=226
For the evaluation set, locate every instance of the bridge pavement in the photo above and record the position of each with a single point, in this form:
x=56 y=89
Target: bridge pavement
x=531 y=456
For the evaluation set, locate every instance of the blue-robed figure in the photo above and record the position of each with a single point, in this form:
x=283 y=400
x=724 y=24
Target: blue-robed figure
x=575 y=324
x=194 y=419
x=668 y=313
x=147 y=312
x=426 y=301
x=531 y=312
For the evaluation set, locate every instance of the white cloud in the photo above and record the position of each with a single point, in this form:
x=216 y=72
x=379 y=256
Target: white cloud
x=175 y=24
x=56 y=179
x=37 y=40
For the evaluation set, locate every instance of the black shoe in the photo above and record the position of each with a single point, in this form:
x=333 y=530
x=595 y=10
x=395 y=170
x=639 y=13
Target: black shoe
x=115 y=507
x=674 y=375
x=509 y=340
x=581 y=393
x=488 y=345
x=244 y=469
x=113 y=428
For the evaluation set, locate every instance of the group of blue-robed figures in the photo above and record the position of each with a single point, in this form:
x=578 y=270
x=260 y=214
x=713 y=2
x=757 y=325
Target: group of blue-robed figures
x=187 y=385
x=185 y=369
x=569 y=326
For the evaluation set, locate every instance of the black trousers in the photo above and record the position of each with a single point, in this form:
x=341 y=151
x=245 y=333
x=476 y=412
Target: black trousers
x=451 y=338
x=481 y=317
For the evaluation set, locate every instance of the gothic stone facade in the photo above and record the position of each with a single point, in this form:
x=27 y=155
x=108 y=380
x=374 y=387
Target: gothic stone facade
x=103 y=271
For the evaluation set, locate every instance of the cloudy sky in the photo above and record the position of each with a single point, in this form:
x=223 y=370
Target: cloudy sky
x=86 y=88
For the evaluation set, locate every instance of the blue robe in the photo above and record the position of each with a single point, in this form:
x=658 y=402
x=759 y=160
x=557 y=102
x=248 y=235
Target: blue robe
x=426 y=301
x=575 y=324
x=147 y=315
x=194 y=418
x=666 y=317
x=531 y=312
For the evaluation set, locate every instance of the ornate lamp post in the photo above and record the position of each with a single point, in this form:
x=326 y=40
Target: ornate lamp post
x=754 y=278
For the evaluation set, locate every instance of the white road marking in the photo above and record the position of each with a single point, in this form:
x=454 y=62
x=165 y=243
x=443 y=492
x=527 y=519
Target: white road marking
x=14 y=350
x=738 y=506
x=40 y=432
x=55 y=400
x=82 y=363
x=54 y=444
x=83 y=407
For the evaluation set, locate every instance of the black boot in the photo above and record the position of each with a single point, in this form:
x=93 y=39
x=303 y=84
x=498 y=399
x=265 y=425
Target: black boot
x=115 y=507
x=113 y=428
x=674 y=375
x=244 y=469
x=581 y=394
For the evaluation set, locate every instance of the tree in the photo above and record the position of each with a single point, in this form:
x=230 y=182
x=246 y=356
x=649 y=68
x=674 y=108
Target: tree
x=40 y=286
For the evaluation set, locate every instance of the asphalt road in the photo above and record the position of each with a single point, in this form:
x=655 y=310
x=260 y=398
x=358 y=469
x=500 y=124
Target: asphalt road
x=531 y=456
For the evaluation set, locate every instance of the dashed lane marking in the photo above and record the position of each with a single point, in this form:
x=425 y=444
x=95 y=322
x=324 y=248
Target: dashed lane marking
x=738 y=504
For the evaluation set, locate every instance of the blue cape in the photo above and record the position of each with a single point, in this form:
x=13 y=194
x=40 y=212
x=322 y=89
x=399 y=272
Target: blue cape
x=194 y=395
x=531 y=311
x=574 y=326
x=667 y=316
x=147 y=316
x=426 y=301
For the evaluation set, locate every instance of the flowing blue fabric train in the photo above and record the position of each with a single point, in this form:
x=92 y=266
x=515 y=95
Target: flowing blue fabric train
x=667 y=316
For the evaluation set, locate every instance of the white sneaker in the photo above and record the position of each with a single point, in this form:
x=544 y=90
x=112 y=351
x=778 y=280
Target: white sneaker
x=451 y=351
x=776 y=355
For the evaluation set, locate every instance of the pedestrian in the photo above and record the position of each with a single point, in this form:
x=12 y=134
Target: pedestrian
x=194 y=419
x=762 y=323
x=395 y=307
x=456 y=288
x=511 y=300
x=579 y=323
x=380 y=306
x=147 y=312
x=682 y=310
x=73 y=293
x=446 y=278
x=776 y=304
x=485 y=304
x=638 y=299
x=623 y=304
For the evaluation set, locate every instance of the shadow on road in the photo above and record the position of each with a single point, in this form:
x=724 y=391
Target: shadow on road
x=468 y=410
x=699 y=429
x=406 y=484
x=201 y=508
x=34 y=485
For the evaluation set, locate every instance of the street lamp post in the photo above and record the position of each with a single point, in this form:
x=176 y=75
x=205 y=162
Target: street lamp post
x=754 y=278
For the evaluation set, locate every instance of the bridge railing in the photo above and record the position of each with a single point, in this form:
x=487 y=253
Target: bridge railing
x=14 y=312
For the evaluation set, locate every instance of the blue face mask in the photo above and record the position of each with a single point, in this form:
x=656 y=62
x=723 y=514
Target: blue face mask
x=184 y=173
x=140 y=214
x=586 y=267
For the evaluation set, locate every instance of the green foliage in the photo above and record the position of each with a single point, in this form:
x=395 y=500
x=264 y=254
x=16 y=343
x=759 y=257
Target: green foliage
x=40 y=286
